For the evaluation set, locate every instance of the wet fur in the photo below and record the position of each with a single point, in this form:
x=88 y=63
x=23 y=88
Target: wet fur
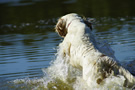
x=79 y=44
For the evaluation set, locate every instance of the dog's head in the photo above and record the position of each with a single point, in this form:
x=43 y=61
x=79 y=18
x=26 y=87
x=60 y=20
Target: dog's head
x=64 y=22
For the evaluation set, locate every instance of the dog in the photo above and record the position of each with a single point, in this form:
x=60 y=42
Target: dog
x=96 y=60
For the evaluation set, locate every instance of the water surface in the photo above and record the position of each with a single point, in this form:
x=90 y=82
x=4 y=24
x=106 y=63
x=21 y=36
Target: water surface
x=28 y=42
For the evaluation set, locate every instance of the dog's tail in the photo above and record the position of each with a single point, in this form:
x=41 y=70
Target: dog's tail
x=130 y=79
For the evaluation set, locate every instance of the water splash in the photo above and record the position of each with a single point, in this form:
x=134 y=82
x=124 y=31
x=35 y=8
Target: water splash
x=62 y=76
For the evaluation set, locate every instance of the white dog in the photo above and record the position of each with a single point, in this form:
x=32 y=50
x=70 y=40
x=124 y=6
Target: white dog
x=97 y=62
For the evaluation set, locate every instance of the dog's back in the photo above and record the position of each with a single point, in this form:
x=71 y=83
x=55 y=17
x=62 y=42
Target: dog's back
x=96 y=60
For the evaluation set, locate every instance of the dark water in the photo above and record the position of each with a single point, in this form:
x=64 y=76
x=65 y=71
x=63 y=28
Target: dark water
x=28 y=41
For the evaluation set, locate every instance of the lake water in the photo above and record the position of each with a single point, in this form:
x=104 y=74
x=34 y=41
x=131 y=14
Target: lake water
x=28 y=42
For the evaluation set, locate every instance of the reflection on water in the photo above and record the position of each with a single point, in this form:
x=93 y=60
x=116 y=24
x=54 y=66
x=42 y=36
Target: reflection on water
x=28 y=42
x=24 y=55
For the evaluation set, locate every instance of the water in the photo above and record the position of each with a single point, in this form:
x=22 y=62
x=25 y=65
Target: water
x=28 y=43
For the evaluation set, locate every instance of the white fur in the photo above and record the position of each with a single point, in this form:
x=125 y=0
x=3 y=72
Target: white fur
x=97 y=61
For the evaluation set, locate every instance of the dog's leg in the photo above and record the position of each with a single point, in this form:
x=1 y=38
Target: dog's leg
x=90 y=73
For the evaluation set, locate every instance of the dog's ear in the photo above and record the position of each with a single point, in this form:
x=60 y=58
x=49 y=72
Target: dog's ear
x=88 y=23
x=61 y=27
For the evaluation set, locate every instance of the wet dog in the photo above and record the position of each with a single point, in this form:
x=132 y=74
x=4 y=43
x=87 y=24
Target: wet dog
x=96 y=61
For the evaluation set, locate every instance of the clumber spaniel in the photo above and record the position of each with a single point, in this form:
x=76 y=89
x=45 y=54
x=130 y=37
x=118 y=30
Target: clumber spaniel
x=96 y=61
